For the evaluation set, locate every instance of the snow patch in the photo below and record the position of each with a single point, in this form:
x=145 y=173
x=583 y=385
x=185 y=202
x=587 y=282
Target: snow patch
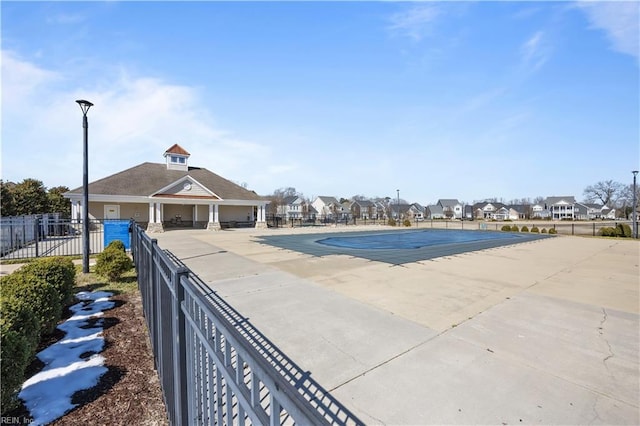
x=47 y=395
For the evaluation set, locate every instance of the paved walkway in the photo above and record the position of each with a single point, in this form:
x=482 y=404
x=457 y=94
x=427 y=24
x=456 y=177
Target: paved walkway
x=544 y=332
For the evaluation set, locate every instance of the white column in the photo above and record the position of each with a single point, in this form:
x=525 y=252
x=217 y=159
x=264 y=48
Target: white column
x=155 y=218
x=152 y=218
x=214 y=222
x=216 y=213
x=261 y=223
x=75 y=210
x=195 y=214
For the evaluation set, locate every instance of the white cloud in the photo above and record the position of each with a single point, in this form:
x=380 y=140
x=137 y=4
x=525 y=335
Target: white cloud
x=416 y=22
x=22 y=80
x=535 y=51
x=66 y=18
x=620 y=21
x=134 y=119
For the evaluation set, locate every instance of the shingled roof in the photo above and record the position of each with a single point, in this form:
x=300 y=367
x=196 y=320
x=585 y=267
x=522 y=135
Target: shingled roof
x=177 y=149
x=147 y=179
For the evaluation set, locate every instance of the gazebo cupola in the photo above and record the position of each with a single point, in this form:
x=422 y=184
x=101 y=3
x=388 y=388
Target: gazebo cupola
x=177 y=158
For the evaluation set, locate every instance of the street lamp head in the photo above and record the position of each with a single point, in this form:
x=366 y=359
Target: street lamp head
x=635 y=172
x=84 y=105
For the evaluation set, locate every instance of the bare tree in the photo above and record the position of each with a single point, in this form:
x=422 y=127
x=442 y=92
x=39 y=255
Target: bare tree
x=625 y=200
x=606 y=192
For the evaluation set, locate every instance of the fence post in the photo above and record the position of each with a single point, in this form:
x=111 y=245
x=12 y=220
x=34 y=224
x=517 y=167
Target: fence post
x=594 y=229
x=36 y=230
x=573 y=229
x=152 y=292
x=180 y=349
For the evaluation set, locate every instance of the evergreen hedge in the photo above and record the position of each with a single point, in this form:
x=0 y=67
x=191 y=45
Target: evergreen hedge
x=31 y=303
x=58 y=272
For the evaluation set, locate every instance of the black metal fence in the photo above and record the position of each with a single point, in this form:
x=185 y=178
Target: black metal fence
x=214 y=366
x=23 y=237
x=582 y=228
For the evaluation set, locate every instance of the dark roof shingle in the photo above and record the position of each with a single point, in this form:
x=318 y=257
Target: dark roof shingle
x=148 y=178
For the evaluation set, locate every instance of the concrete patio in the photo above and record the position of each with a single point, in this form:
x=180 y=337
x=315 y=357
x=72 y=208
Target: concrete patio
x=542 y=332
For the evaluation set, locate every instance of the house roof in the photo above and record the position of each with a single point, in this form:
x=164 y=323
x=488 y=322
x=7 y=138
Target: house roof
x=569 y=199
x=484 y=204
x=419 y=207
x=176 y=149
x=444 y=202
x=435 y=209
x=520 y=208
x=328 y=200
x=147 y=179
x=290 y=199
x=364 y=203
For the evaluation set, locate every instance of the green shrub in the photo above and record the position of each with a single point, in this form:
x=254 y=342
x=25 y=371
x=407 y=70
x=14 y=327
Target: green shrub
x=392 y=222
x=524 y=229
x=506 y=228
x=19 y=336
x=623 y=230
x=514 y=228
x=553 y=231
x=113 y=261
x=543 y=231
x=41 y=297
x=58 y=272
x=116 y=245
x=535 y=229
x=607 y=232
x=406 y=222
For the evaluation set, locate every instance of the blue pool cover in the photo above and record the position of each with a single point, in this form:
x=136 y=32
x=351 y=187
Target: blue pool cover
x=398 y=247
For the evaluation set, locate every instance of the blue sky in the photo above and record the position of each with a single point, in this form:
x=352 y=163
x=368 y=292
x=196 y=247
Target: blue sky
x=437 y=99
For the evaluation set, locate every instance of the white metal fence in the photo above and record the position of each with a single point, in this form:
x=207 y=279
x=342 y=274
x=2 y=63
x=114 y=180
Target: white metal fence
x=23 y=237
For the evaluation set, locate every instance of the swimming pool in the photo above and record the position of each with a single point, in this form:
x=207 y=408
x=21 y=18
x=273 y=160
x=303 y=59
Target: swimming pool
x=397 y=247
x=412 y=239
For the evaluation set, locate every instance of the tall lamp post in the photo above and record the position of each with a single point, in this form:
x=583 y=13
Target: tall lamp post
x=398 y=191
x=634 y=213
x=84 y=106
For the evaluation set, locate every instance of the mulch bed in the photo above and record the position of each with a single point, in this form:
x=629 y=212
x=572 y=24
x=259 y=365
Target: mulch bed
x=129 y=393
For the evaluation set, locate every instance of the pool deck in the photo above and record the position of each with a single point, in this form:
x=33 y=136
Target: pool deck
x=542 y=332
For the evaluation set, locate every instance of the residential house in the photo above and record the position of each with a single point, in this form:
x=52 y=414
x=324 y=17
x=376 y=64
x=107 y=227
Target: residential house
x=363 y=209
x=451 y=208
x=561 y=208
x=291 y=207
x=417 y=211
x=381 y=209
x=591 y=211
x=489 y=211
x=539 y=211
x=400 y=211
x=434 y=211
x=520 y=211
x=172 y=194
x=329 y=208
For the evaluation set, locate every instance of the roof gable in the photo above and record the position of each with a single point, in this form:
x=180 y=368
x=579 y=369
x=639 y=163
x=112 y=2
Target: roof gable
x=444 y=202
x=147 y=179
x=561 y=200
x=176 y=149
x=185 y=187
